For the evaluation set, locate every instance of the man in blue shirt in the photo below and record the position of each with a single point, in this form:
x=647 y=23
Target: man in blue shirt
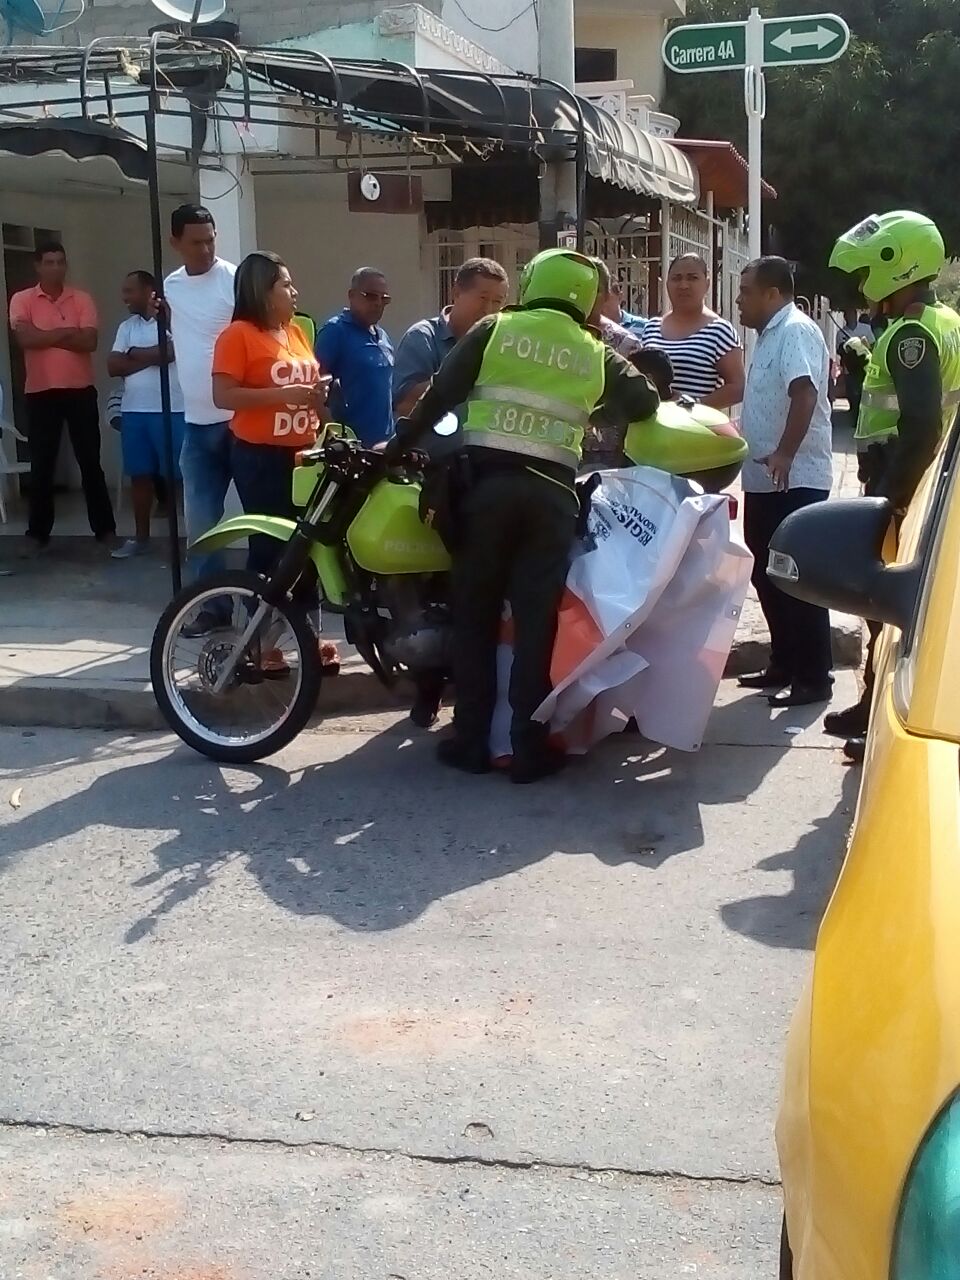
x=355 y=350
x=480 y=289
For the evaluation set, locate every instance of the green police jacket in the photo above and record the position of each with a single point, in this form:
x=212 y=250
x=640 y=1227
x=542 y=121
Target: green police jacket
x=540 y=379
x=880 y=407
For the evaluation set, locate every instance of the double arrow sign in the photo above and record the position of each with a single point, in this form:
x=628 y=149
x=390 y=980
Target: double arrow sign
x=722 y=46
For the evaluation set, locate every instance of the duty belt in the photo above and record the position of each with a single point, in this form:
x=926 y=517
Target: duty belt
x=517 y=444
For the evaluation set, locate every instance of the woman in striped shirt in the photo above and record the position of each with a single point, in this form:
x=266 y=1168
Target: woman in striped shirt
x=703 y=348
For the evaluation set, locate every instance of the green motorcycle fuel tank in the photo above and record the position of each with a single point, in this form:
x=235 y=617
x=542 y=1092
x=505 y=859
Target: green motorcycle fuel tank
x=387 y=536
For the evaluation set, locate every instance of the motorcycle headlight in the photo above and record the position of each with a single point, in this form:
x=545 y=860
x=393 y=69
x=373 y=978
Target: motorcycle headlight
x=927 y=1240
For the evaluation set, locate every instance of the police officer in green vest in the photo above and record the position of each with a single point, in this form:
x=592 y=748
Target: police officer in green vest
x=911 y=391
x=533 y=378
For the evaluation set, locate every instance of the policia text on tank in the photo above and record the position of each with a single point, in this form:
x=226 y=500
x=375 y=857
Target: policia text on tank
x=911 y=391
x=533 y=379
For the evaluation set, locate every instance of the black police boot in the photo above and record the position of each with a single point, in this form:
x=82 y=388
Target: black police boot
x=426 y=703
x=468 y=757
x=851 y=722
x=534 y=756
x=854 y=749
x=531 y=766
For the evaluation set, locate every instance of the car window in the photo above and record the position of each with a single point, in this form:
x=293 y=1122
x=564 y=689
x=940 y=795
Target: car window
x=941 y=490
x=924 y=651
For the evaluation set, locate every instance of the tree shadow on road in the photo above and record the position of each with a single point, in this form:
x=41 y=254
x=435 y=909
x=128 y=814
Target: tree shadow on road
x=372 y=838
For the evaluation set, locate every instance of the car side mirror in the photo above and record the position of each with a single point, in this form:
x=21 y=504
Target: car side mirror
x=831 y=554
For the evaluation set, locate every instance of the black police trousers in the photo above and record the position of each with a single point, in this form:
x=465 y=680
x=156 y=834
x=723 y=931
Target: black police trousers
x=515 y=537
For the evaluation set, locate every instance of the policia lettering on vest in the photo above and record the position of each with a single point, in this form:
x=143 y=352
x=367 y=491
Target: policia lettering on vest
x=911 y=391
x=533 y=378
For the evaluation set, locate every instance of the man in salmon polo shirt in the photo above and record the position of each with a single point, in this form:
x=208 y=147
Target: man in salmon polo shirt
x=55 y=327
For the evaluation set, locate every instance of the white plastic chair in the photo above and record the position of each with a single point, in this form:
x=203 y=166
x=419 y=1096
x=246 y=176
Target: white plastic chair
x=9 y=466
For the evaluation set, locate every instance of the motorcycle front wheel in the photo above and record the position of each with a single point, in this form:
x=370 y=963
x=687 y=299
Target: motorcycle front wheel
x=235 y=677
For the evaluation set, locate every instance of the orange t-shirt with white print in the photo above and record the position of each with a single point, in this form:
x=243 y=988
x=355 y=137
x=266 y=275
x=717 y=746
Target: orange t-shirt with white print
x=257 y=358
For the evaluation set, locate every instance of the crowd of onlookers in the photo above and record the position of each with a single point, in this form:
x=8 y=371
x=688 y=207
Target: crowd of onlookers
x=251 y=377
x=253 y=387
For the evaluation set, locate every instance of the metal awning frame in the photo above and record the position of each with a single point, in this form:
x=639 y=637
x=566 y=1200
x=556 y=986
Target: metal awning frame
x=176 y=71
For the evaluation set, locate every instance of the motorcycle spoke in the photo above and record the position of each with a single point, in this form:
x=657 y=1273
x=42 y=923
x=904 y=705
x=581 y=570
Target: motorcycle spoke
x=262 y=687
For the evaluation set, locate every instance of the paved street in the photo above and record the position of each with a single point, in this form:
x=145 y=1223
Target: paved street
x=346 y=1015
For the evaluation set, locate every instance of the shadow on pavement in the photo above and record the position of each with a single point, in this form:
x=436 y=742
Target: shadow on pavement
x=375 y=837
x=792 y=919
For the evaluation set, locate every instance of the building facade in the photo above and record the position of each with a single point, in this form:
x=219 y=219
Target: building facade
x=265 y=191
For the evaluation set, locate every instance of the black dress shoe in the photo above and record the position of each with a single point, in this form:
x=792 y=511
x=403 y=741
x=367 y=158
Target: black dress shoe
x=772 y=678
x=533 y=765
x=855 y=749
x=851 y=722
x=802 y=695
x=465 y=756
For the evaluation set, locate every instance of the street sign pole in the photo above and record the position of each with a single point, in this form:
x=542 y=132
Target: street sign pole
x=798 y=40
x=755 y=101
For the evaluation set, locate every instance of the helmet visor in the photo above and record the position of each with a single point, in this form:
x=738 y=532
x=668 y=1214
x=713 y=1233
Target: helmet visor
x=863 y=231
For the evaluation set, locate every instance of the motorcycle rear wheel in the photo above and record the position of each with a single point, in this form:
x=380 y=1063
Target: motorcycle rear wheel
x=256 y=714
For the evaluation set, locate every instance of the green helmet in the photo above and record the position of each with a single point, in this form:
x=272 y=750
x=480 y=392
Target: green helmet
x=892 y=250
x=561 y=276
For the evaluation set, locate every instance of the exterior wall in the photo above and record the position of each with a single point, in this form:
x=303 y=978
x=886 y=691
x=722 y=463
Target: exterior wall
x=637 y=39
x=323 y=245
x=99 y=259
x=516 y=44
x=260 y=22
x=503 y=29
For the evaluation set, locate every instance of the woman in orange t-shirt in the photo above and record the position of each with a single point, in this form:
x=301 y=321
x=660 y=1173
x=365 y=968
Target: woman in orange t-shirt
x=265 y=374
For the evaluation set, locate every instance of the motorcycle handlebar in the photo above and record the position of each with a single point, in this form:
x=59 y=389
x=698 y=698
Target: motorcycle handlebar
x=332 y=451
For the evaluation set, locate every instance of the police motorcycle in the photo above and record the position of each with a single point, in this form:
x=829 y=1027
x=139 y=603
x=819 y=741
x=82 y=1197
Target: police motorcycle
x=377 y=563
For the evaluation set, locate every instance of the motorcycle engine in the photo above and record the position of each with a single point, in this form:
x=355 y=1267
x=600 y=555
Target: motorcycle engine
x=418 y=635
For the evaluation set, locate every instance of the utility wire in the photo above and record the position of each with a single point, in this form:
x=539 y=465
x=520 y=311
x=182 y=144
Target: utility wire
x=506 y=25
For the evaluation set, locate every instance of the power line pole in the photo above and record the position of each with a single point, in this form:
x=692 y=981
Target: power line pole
x=558 y=185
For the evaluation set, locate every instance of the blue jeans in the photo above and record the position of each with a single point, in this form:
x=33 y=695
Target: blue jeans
x=207 y=472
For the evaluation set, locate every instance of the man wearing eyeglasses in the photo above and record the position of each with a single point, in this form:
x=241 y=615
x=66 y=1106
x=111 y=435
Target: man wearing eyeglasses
x=354 y=349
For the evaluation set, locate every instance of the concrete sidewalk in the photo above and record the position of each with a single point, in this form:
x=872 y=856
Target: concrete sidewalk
x=75 y=632
x=76 y=626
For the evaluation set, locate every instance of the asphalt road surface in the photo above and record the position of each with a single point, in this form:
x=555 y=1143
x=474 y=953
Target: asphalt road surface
x=347 y=1016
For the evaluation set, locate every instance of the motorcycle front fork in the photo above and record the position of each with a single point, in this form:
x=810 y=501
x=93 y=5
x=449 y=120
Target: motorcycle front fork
x=297 y=551
x=279 y=585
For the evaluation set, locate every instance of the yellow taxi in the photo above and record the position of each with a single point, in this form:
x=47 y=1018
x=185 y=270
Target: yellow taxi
x=869 y=1125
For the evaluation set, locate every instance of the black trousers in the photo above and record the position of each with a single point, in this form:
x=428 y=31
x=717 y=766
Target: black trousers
x=872 y=467
x=263 y=474
x=516 y=533
x=47 y=412
x=799 y=632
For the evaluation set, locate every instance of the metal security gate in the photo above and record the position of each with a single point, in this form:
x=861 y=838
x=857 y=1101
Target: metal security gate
x=734 y=256
x=512 y=245
x=690 y=232
x=631 y=249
